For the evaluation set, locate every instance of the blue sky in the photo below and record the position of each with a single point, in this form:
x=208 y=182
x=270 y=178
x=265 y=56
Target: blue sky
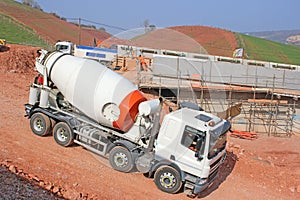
x=234 y=15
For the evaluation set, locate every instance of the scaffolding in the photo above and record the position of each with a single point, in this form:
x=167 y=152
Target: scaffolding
x=274 y=117
x=260 y=111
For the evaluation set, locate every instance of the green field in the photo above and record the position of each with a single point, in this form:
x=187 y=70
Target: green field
x=265 y=50
x=15 y=32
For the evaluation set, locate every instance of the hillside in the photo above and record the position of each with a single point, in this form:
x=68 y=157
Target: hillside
x=196 y=39
x=284 y=36
x=16 y=32
x=221 y=42
x=25 y=25
x=266 y=50
x=216 y=41
x=48 y=26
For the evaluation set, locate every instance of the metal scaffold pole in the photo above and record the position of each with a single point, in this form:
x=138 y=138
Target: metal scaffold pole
x=79 y=35
x=178 y=79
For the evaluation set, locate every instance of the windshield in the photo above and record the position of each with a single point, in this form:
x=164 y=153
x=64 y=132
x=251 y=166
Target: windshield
x=218 y=139
x=61 y=47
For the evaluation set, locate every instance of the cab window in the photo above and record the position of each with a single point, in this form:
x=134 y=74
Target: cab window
x=190 y=137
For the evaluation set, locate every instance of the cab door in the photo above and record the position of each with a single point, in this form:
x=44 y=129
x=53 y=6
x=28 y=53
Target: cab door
x=188 y=153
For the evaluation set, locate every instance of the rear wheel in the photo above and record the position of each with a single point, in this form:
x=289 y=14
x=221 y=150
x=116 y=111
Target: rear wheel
x=121 y=159
x=168 y=179
x=40 y=124
x=63 y=134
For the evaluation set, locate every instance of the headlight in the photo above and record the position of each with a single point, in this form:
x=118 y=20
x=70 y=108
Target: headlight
x=202 y=181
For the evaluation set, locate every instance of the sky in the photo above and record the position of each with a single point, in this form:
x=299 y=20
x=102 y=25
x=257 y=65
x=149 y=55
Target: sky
x=233 y=15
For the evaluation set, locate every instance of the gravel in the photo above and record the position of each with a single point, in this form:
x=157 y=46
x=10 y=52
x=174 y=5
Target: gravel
x=14 y=187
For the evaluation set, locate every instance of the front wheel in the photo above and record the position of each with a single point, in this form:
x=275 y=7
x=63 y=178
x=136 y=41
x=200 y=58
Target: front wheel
x=63 y=134
x=121 y=159
x=40 y=124
x=168 y=179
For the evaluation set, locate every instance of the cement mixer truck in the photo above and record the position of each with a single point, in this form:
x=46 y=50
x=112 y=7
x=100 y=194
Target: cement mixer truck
x=80 y=101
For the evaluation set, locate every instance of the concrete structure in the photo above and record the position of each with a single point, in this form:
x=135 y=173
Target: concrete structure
x=216 y=83
x=223 y=70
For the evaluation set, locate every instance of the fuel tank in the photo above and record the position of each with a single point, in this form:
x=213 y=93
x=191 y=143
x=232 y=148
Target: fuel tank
x=98 y=92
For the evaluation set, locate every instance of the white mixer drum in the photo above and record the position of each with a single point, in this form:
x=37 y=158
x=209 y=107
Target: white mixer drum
x=97 y=91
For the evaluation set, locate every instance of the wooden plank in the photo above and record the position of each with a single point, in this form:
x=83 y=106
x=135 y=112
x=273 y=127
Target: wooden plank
x=261 y=101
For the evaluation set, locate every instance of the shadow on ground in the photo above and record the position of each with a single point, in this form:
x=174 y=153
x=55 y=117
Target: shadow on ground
x=224 y=172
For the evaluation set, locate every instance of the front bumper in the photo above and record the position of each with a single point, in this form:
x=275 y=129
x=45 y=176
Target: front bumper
x=28 y=108
x=202 y=184
x=201 y=187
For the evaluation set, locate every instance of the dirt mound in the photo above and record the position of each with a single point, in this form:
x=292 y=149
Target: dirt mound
x=169 y=39
x=19 y=59
x=196 y=39
x=216 y=41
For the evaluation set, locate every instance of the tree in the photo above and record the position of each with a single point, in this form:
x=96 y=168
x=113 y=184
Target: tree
x=102 y=29
x=28 y=2
x=32 y=3
x=149 y=27
x=152 y=27
x=37 y=6
x=146 y=25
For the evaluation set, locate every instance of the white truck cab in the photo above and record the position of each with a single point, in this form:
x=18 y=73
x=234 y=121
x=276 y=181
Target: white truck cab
x=194 y=142
x=64 y=47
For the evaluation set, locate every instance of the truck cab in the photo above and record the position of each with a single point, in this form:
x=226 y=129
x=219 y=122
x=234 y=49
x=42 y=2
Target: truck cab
x=193 y=142
x=103 y=55
x=64 y=47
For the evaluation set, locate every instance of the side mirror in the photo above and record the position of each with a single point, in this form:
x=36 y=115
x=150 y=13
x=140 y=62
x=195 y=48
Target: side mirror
x=198 y=147
x=199 y=144
x=198 y=155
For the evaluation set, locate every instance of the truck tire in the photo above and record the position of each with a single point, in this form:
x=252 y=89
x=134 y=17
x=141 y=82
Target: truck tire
x=63 y=134
x=121 y=159
x=40 y=124
x=168 y=179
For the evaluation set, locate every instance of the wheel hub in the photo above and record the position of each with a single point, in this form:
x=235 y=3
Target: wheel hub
x=61 y=135
x=167 y=180
x=120 y=159
x=38 y=125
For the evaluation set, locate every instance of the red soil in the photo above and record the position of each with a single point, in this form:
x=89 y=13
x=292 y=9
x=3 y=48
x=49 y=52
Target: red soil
x=216 y=41
x=196 y=39
x=266 y=168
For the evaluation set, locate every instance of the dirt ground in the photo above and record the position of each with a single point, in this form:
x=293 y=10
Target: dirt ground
x=265 y=168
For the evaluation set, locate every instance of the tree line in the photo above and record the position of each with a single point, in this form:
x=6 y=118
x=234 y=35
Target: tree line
x=32 y=3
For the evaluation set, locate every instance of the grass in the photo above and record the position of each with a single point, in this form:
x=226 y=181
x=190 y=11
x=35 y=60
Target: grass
x=265 y=50
x=15 y=32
